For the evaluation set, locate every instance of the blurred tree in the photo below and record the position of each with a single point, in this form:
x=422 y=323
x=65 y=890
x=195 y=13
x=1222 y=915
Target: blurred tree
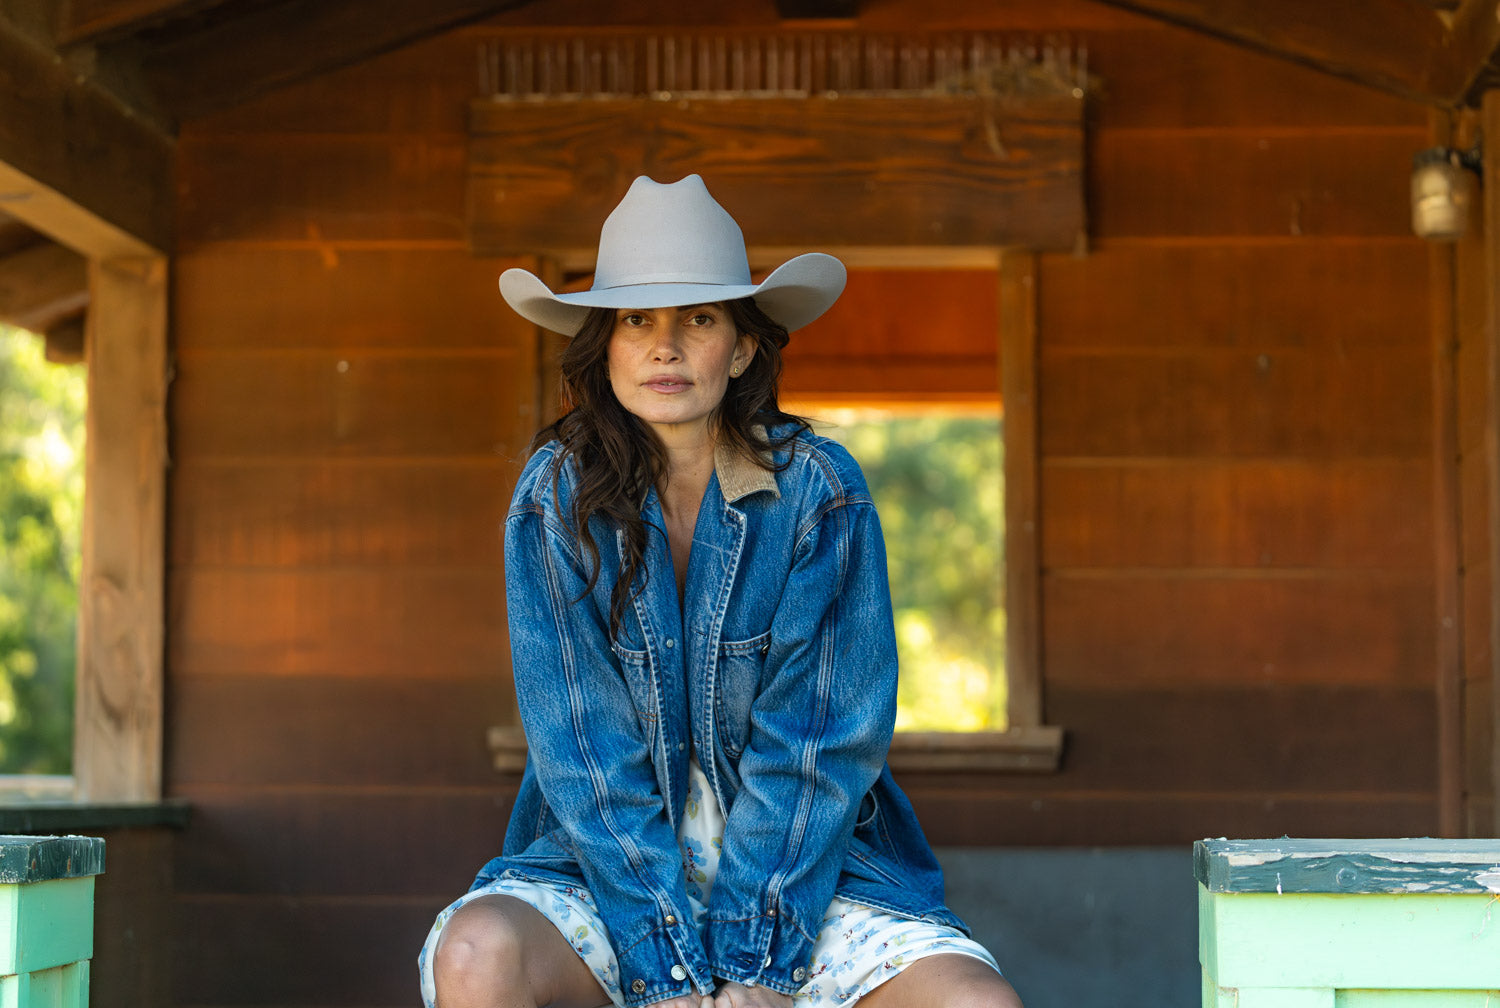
x=938 y=485
x=42 y=408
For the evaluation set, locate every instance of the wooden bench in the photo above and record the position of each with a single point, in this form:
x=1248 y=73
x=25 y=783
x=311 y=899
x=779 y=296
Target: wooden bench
x=47 y=919
x=1349 y=923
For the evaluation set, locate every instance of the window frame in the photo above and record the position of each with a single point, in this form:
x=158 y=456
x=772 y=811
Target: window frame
x=1029 y=744
x=119 y=686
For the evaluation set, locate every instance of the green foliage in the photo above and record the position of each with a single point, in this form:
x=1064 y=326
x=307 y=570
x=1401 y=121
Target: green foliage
x=42 y=408
x=938 y=484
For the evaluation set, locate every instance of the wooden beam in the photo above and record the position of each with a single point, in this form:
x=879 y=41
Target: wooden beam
x=960 y=170
x=75 y=162
x=98 y=20
x=1469 y=64
x=1396 y=46
x=817 y=10
x=42 y=285
x=199 y=71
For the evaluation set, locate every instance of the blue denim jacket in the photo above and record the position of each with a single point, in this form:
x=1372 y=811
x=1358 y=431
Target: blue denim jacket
x=779 y=673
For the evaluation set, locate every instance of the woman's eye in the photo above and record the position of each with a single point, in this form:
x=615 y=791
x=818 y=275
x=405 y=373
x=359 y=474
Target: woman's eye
x=632 y=319
x=703 y=319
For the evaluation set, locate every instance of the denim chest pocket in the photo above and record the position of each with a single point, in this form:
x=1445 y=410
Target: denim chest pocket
x=636 y=666
x=741 y=664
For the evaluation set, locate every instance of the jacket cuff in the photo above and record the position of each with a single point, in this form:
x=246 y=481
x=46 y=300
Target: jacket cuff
x=763 y=951
x=664 y=962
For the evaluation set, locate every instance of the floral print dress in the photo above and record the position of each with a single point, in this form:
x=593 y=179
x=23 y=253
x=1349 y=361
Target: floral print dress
x=857 y=949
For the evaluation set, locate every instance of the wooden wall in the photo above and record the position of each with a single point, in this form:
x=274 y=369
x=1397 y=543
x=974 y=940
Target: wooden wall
x=1236 y=476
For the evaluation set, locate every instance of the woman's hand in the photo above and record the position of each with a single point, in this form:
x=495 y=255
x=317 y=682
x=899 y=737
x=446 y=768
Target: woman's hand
x=685 y=1001
x=735 y=995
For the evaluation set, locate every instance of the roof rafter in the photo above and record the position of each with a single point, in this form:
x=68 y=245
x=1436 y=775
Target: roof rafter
x=1404 y=48
x=228 y=59
x=99 y=20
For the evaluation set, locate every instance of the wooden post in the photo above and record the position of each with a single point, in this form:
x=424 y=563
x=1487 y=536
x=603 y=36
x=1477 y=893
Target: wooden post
x=1018 y=349
x=1447 y=527
x=1490 y=128
x=117 y=745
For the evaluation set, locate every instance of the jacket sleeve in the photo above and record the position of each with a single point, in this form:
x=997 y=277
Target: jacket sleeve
x=592 y=760
x=820 y=730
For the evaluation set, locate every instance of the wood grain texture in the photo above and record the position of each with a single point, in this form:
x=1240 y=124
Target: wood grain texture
x=1238 y=403
x=1392 y=45
x=1210 y=183
x=415 y=843
x=117 y=742
x=1246 y=514
x=854 y=170
x=242 y=732
x=326 y=513
x=230 y=297
x=1304 y=294
x=418 y=622
x=354 y=405
x=71 y=138
x=1163 y=76
x=953 y=817
x=1146 y=628
x=343 y=952
x=316 y=189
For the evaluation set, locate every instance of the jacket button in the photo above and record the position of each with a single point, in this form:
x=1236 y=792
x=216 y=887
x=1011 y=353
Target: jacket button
x=798 y=974
x=671 y=643
x=678 y=973
x=639 y=987
x=670 y=921
x=766 y=964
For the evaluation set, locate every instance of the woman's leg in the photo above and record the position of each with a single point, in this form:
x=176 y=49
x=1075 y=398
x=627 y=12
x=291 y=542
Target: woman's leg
x=944 y=981
x=499 y=952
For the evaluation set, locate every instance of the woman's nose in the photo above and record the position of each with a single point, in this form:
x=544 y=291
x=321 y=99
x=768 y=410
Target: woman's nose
x=668 y=344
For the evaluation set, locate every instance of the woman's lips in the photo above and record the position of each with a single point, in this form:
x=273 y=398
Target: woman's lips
x=667 y=384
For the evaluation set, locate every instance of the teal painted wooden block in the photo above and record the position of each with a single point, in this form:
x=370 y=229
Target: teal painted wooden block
x=1363 y=941
x=46 y=924
x=1418 y=999
x=59 y=987
x=1349 y=924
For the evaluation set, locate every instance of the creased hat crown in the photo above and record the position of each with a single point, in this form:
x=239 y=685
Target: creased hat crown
x=671 y=244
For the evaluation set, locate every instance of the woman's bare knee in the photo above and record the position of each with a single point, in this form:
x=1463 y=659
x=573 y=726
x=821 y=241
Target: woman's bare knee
x=481 y=954
x=944 y=981
x=500 y=951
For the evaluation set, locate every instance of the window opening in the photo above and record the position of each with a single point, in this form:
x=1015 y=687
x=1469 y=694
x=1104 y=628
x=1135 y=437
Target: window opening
x=936 y=474
x=42 y=422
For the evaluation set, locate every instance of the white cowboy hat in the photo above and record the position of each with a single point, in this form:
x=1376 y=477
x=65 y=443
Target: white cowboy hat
x=670 y=245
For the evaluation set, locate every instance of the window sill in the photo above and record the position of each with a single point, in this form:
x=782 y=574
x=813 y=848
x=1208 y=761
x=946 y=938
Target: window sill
x=21 y=812
x=1036 y=749
x=1018 y=750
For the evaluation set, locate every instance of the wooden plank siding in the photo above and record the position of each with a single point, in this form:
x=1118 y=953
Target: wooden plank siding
x=1235 y=420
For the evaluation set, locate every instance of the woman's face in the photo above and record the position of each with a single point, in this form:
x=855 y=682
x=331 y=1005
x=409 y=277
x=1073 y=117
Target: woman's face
x=671 y=366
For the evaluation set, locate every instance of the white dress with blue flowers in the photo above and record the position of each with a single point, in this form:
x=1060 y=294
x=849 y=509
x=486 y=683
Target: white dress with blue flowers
x=857 y=949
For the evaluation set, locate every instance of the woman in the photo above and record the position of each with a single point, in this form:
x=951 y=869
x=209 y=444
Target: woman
x=701 y=632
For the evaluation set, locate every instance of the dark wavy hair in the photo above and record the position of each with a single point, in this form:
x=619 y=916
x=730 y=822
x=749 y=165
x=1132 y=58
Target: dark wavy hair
x=619 y=458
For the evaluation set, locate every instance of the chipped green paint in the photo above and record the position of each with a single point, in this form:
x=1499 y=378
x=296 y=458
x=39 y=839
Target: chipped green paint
x=1349 y=923
x=47 y=919
x=1348 y=866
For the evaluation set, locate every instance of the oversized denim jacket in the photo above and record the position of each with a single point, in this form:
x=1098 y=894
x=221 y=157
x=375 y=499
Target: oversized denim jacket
x=779 y=673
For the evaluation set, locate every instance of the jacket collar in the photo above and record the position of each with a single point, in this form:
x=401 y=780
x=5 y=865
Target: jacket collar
x=740 y=477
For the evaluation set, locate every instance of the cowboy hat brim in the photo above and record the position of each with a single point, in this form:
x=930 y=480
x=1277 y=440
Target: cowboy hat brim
x=794 y=294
